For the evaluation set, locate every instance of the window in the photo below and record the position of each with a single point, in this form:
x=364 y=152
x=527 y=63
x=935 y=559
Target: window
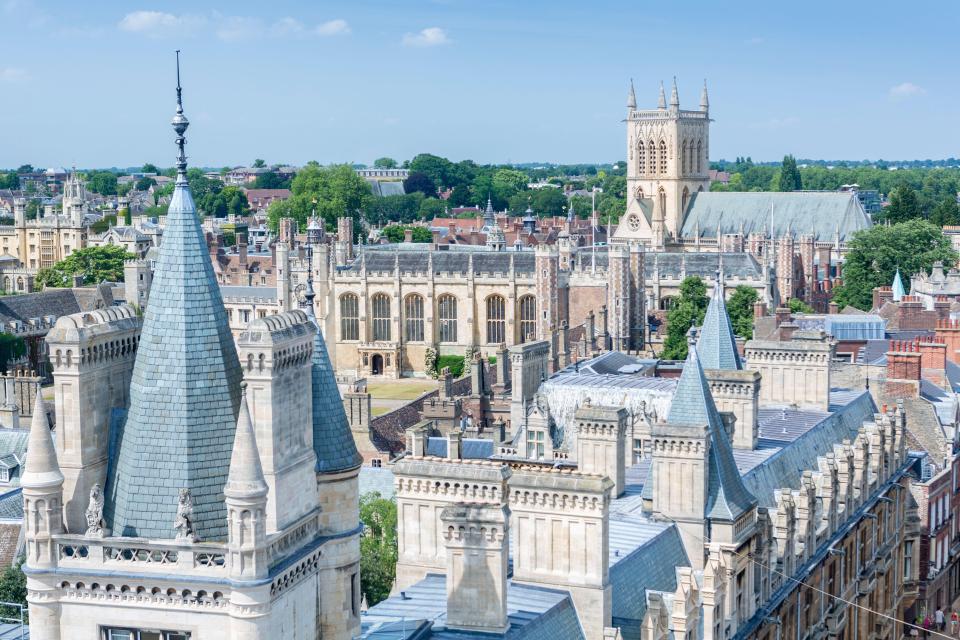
x=528 y=318
x=448 y=318
x=637 y=450
x=381 y=316
x=683 y=156
x=376 y=463
x=413 y=316
x=143 y=634
x=641 y=159
x=535 y=446
x=349 y=317
x=496 y=320
x=663 y=158
x=699 y=156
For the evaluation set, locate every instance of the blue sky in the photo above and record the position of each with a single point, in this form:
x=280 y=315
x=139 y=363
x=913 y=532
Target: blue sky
x=92 y=83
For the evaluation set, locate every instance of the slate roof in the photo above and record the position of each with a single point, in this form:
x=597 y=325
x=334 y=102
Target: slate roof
x=184 y=394
x=643 y=555
x=13 y=449
x=704 y=265
x=534 y=613
x=416 y=259
x=717 y=346
x=693 y=405
x=819 y=213
x=376 y=480
x=332 y=439
x=262 y=293
x=53 y=302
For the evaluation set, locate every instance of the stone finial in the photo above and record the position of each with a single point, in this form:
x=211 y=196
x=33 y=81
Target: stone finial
x=662 y=99
x=674 y=94
x=95 y=513
x=704 y=99
x=245 y=479
x=631 y=97
x=41 y=469
x=183 y=523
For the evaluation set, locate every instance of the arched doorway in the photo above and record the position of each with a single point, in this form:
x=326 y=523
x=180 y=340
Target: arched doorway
x=376 y=365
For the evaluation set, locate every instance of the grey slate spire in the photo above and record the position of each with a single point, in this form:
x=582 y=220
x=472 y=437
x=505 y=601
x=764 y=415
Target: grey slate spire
x=40 y=469
x=693 y=405
x=245 y=479
x=631 y=97
x=332 y=439
x=662 y=100
x=717 y=346
x=898 y=290
x=184 y=393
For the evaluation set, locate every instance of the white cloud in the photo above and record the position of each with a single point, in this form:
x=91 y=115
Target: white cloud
x=11 y=74
x=333 y=28
x=429 y=37
x=158 y=23
x=237 y=28
x=286 y=27
x=906 y=90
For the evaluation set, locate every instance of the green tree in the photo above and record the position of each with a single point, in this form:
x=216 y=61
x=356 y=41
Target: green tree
x=688 y=311
x=13 y=589
x=145 y=183
x=946 y=213
x=270 y=180
x=420 y=182
x=332 y=191
x=876 y=253
x=259 y=163
x=103 y=182
x=25 y=168
x=95 y=264
x=385 y=163
x=550 y=202
x=904 y=205
x=11 y=348
x=378 y=547
x=149 y=168
x=9 y=180
x=396 y=233
x=797 y=305
x=431 y=208
x=790 y=179
x=740 y=308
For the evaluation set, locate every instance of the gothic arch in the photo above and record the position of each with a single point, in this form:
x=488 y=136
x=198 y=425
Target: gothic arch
x=683 y=156
x=685 y=200
x=662 y=202
x=641 y=158
x=699 y=155
x=639 y=193
x=663 y=158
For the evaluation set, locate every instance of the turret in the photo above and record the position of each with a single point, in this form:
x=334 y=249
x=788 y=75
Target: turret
x=674 y=95
x=246 y=498
x=662 y=99
x=42 y=484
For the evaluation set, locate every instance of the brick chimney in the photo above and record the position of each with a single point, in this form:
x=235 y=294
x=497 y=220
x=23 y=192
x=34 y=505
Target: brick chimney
x=941 y=304
x=408 y=235
x=948 y=332
x=242 y=247
x=782 y=315
x=759 y=309
x=882 y=295
x=911 y=313
x=933 y=361
x=903 y=369
x=833 y=308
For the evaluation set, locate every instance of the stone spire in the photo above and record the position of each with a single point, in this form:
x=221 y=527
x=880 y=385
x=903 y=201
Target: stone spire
x=40 y=469
x=717 y=346
x=662 y=99
x=704 y=100
x=245 y=479
x=489 y=220
x=184 y=392
x=631 y=97
x=674 y=95
x=898 y=290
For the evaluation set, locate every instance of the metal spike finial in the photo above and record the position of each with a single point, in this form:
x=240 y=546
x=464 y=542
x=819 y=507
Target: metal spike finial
x=180 y=124
x=309 y=294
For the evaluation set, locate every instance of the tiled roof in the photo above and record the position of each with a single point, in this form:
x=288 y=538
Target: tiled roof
x=55 y=302
x=332 y=439
x=693 y=405
x=184 y=394
x=717 y=346
x=534 y=613
x=819 y=213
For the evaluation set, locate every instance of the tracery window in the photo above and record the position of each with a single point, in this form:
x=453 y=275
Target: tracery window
x=496 y=320
x=413 y=317
x=699 y=155
x=349 y=317
x=641 y=159
x=381 y=316
x=663 y=158
x=447 y=311
x=528 y=318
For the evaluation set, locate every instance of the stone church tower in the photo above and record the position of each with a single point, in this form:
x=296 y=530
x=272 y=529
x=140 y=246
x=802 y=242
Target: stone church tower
x=667 y=162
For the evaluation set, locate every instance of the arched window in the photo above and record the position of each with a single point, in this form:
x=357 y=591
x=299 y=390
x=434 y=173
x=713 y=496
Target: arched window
x=663 y=158
x=528 y=318
x=380 y=303
x=652 y=161
x=641 y=158
x=349 y=317
x=683 y=156
x=686 y=199
x=699 y=155
x=496 y=320
x=413 y=317
x=447 y=309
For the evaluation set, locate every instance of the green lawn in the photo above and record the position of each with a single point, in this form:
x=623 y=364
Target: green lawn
x=400 y=389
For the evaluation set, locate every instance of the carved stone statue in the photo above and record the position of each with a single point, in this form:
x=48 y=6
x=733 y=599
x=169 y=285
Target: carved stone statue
x=183 y=523
x=95 y=513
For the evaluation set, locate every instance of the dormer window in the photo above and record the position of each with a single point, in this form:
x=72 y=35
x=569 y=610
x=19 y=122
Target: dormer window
x=535 y=444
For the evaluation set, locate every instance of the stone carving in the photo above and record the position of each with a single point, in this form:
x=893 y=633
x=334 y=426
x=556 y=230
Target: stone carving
x=95 y=513
x=183 y=524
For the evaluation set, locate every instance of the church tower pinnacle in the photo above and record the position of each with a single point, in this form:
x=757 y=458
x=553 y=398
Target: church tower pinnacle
x=662 y=99
x=631 y=97
x=674 y=95
x=704 y=100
